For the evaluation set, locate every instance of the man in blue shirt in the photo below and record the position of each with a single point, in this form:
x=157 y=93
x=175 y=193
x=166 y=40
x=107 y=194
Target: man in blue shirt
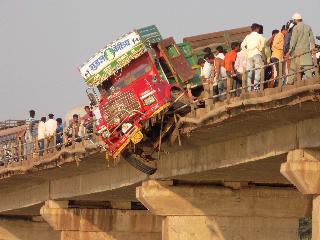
x=60 y=128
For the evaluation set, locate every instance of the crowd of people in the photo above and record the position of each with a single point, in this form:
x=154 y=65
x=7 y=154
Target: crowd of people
x=50 y=133
x=291 y=47
x=276 y=55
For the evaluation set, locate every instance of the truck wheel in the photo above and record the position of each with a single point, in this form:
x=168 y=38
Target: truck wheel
x=182 y=105
x=142 y=164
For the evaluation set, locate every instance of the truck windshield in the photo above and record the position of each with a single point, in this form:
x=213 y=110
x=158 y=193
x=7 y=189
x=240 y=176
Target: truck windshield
x=128 y=74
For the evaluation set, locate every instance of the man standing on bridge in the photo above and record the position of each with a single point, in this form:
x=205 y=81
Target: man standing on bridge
x=51 y=128
x=254 y=44
x=301 y=43
x=29 y=135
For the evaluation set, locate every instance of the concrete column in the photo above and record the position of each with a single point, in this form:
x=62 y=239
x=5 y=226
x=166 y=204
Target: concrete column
x=18 y=228
x=232 y=227
x=303 y=170
x=316 y=218
x=82 y=224
x=206 y=212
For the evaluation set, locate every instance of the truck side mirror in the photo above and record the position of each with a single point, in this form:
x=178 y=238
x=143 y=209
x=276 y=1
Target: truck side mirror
x=93 y=98
x=154 y=78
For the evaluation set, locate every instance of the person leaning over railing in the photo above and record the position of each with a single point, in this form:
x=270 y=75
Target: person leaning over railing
x=206 y=69
x=73 y=131
x=87 y=120
x=229 y=61
x=301 y=43
x=41 y=135
x=277 y=52
x=51 y=128
x=59 y=132
x=219 y=71
x=240 y=63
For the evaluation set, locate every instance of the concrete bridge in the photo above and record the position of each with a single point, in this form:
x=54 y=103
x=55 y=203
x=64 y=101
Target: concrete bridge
x=247 y=168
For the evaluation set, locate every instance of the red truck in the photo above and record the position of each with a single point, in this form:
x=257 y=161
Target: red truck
x=139 y=77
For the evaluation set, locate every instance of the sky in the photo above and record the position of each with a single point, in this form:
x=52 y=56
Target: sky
x=42 y=42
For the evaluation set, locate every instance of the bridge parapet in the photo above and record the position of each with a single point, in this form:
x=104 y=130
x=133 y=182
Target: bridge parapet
x=218 y=109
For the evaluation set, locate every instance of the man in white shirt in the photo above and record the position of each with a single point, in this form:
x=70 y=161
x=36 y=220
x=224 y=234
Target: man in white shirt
x=220 y=73
x=41 y=135
x=221 y=52
x=254 y=44
x=51 y=128
x=241 y=62
x=206 y=68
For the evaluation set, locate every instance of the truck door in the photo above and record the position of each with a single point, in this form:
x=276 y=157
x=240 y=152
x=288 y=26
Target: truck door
x=175 y=60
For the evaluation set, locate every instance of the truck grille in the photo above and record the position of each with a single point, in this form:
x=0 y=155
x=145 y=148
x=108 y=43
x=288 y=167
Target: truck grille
x=119 y=107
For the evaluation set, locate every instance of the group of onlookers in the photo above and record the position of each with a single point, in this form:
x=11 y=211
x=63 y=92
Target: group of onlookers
x=50 y=132
x=41 y=130
x=291 y=47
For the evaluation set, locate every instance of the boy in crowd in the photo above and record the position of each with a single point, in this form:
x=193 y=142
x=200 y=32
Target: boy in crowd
x=234 y=82
x=59 y=131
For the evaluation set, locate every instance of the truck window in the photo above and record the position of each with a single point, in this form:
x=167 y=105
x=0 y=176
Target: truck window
x=141 y=70
x=125 y=78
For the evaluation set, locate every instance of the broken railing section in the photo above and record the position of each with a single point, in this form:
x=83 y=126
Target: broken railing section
x=13 y=153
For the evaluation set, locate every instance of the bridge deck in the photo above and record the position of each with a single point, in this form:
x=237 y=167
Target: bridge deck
x=242 y=138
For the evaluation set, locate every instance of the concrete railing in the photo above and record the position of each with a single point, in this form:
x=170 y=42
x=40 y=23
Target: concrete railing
x=14 y=152
x=11 y=123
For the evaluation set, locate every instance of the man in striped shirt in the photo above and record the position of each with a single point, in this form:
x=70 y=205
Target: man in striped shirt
x=29 y=135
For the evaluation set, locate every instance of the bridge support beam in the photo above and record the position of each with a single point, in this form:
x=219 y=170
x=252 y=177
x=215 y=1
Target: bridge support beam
x=303 y=170
x=106 y=224
x=207 y=212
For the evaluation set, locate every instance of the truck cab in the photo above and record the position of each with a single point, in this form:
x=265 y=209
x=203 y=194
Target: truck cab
x=130 y=98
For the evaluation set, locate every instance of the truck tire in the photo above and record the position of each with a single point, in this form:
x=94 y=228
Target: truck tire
x=142 y=164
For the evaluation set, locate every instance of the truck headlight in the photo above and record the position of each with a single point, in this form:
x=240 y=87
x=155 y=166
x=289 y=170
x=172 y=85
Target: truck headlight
x=125 y=127
x=116 y=120
x=105 y=134
x=149 y=100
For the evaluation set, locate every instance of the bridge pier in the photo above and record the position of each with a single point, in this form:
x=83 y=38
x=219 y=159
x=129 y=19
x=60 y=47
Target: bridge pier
x=208 y=212
x=26 y=228
x=303 y=170
x=104 y=224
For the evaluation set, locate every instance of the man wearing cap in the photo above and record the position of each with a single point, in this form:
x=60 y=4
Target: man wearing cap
x=302 y=41
x=51 y=128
